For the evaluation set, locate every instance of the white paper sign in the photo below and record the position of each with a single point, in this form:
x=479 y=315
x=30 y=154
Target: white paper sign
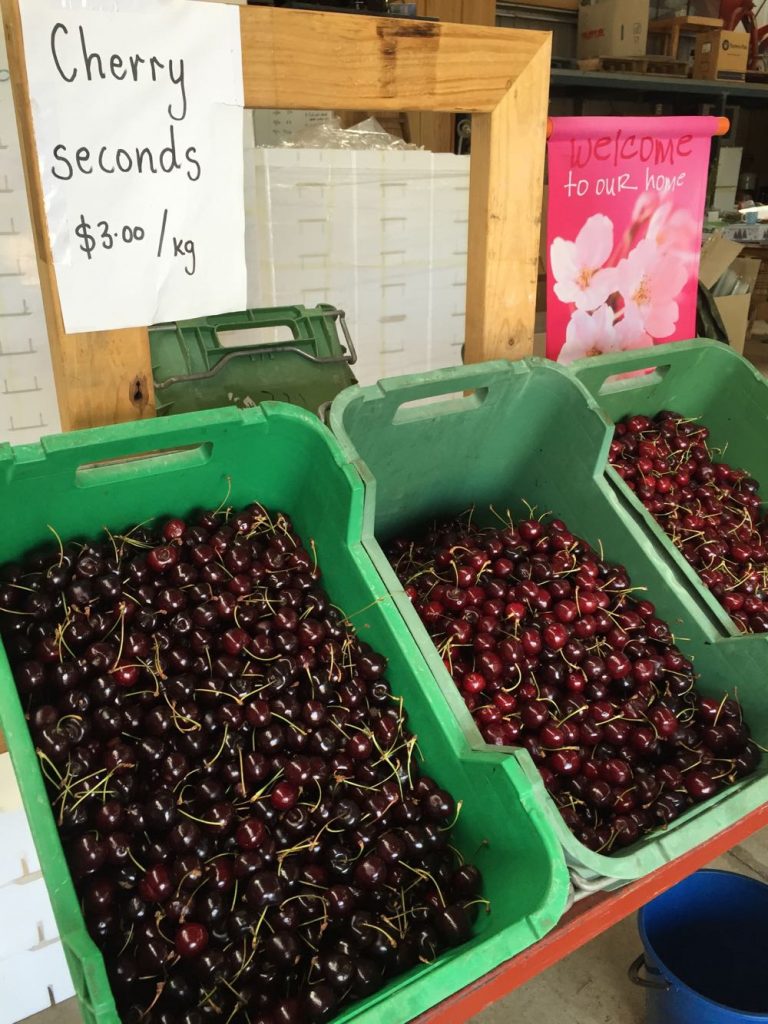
x=137 y=108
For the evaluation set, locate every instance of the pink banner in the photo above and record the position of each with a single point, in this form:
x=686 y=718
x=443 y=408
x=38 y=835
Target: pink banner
x=625 y=210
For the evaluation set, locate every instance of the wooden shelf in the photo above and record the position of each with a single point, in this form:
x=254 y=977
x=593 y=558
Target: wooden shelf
x=685 y=24
x=672 y=28
x=585 y=920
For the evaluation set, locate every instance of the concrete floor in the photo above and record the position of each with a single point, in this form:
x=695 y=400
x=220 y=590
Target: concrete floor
x=590 y=986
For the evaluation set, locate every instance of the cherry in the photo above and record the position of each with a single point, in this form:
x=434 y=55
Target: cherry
x=250 y=834
x=454 y=924
x=191 y=940
x=156 y=885
x=616 y=772
x=664 y=721
x=555 y=636
x=700 y=784
x=87 y=854
x=564 y=762
x=371 y=872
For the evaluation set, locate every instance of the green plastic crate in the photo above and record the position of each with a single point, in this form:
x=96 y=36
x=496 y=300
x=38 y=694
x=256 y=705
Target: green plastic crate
x=193 y=369
x=529 y=431
x=285 y=458
x=706 y=381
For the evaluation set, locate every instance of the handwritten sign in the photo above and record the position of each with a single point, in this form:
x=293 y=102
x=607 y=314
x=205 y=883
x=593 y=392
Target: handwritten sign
x=137 y=110
x=624 y=220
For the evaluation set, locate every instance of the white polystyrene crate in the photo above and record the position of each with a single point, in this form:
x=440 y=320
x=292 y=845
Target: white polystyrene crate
x=26 y=917
x=27 y=394
x=18 y=856
x=452 y=174
x=381 y=234
x=447 y=316
x=32 y=981
x=17 y=851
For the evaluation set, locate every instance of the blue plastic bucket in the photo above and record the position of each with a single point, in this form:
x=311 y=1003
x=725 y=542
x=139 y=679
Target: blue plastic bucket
x=706 y=951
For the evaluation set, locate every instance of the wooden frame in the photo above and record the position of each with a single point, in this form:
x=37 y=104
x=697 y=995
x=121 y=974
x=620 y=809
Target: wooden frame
x=307 y=60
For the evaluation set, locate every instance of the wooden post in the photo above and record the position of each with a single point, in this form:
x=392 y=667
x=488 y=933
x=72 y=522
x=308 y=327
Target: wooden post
x=437 y=132
x=102 y=377
x=315 y=60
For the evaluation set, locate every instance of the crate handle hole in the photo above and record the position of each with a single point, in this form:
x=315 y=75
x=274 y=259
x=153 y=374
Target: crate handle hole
x=649 y=377
x=249 y=337
x=130 y=467
x=460 y=401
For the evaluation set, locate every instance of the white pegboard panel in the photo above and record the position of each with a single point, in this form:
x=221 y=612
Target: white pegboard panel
x=27 y=394
x=381 y=234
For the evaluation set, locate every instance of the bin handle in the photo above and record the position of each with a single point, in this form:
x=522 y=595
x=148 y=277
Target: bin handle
x=636 y=978
x=398 y=392
x=282 y=346
x=593 y=372
x=125 y=439
x=275 y=348
x=120 y=453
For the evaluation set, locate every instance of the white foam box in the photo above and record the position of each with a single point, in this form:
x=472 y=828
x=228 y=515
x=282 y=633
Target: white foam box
x=32 y=981
x=26 y=913
x=380 y=234
x=28 y=405
x=33 y=969
x=18 y=857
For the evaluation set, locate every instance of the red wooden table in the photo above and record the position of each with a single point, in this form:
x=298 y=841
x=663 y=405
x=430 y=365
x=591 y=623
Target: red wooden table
x=586 y=919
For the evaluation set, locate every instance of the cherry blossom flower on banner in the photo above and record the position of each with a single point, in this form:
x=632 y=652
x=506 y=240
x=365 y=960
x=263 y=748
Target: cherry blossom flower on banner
x=649 y=281
x=576 y=266
x=595 y=334
x=675 y=231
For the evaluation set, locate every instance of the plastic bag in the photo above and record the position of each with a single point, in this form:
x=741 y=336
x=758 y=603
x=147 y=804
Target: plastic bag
x=368 y=134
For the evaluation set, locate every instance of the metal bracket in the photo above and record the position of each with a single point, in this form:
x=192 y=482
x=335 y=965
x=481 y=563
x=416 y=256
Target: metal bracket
x=634 y=975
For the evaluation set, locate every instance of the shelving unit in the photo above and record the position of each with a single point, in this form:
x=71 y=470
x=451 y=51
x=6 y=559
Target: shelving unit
x=584 y=921
x=670 y=29
x=565 y=81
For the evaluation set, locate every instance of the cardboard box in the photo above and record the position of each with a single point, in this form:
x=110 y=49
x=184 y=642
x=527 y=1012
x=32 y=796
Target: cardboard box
x=613 y=28
x=721 y=54
x=718 y=255
x=735 y=310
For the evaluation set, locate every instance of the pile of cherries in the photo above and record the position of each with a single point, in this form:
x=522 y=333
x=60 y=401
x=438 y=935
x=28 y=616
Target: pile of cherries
x=551 y=651
x=235 y=786
x=711 y=511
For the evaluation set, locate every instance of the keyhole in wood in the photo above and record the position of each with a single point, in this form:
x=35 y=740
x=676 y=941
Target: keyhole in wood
x=138 y=391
